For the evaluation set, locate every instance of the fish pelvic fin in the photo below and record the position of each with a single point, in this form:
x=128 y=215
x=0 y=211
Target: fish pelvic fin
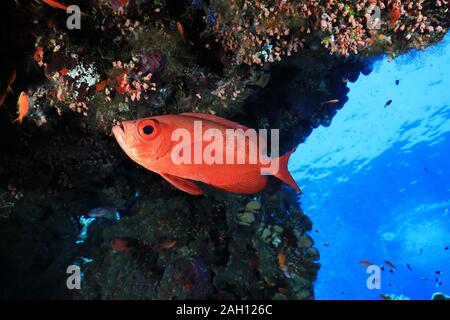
x=183 y=184
x=283 y=173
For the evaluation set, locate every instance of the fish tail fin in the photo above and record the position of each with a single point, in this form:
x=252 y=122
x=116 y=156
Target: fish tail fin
x=19 y=120
x=283 y=173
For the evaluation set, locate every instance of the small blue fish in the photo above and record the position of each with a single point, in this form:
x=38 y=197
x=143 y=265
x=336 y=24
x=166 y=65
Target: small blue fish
x=115 y=213
x=103 y=212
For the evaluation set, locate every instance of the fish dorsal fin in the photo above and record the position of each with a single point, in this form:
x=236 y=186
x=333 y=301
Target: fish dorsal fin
x=216 y=119
x=183 y=184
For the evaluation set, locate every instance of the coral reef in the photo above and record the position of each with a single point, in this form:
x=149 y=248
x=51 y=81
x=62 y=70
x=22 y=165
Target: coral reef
x=279 y=64
x=255 y=32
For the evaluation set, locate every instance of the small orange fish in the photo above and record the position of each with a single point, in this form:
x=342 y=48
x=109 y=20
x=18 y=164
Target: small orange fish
x=120 y=245
x=394 y=15
x=282 y=260
x=389 y=264
x=58 y=5
x=366 y=263
x=180 y=31
x=166 y=245
x=24 y=106
x=55 y=4
x=149 y=142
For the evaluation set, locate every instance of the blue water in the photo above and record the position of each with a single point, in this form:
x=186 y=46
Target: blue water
x=377 y=181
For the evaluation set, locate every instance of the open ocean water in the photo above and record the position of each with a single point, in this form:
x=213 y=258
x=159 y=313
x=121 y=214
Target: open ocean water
x=377 y=181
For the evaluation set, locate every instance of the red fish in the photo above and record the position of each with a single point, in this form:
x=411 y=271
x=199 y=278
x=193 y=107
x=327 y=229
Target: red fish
x=366 y=263
x=24 y=106
x=55 y=4
x=395 y=15
x=389 y=264
x=58 y=5
x=148 y=142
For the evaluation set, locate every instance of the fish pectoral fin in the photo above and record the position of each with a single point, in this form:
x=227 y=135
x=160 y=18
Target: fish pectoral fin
x=183 y=184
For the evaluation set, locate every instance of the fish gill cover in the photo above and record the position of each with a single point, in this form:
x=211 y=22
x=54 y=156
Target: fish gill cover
x=68 y=192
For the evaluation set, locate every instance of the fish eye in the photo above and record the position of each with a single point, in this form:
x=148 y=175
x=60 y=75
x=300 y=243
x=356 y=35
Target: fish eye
x=148 y=130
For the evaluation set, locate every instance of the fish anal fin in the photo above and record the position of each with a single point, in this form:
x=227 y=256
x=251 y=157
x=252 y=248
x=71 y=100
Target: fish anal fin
x=183 y=184
x=216 y=119
x=249 y=184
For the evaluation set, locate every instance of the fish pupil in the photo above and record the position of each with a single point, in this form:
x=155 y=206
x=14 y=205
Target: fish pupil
x=148 y=130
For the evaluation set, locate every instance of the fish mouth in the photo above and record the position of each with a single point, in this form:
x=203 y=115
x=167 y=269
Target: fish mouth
x=119 y=133
x=118 y=126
